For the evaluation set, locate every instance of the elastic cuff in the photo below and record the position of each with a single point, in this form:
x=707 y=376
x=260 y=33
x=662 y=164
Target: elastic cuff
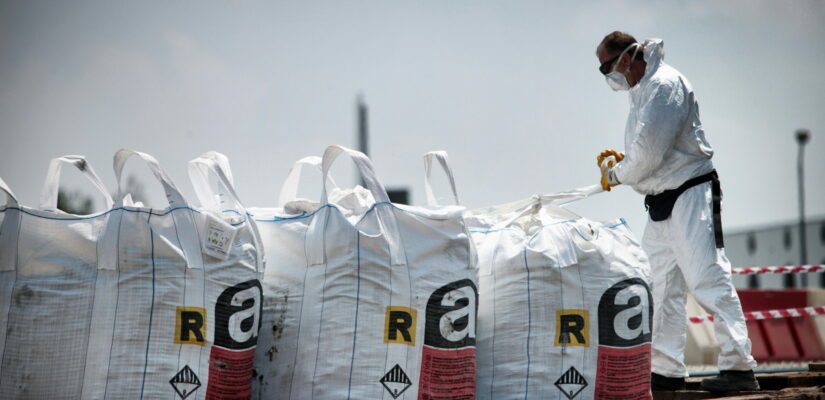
x=611 y=177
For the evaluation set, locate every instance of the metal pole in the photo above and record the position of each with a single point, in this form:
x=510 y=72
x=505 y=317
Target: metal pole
x=802 y=137
x=363 y=129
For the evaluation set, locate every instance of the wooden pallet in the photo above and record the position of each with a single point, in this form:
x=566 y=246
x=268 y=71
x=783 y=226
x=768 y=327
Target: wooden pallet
x=783 y=385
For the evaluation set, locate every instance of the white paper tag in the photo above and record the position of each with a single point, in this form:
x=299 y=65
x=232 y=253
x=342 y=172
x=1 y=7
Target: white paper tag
x=219 y=237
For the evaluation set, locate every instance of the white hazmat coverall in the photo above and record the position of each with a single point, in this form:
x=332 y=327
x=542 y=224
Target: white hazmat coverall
x=664 y=147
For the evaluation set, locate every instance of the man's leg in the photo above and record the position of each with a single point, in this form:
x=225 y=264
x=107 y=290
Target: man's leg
x=707 y=273
x=669 y=320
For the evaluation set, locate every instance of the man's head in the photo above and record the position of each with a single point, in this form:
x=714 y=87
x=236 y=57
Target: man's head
x=616 y=53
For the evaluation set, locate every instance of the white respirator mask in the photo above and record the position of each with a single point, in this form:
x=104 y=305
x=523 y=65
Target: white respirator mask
x=617 y=80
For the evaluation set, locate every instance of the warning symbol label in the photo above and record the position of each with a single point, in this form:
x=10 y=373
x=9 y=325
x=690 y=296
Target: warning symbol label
x=396 y=381
x=185 y=382
x=571 y=383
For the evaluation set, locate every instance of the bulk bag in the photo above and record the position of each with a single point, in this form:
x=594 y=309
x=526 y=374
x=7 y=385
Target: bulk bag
x=378 y=306
x=566 y=308
x=172 y=297
x=352 y=203
x=48 y=268
x=178 y=301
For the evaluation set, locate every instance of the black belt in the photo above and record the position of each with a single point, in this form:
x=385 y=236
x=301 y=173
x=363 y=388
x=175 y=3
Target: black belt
x=660 y=206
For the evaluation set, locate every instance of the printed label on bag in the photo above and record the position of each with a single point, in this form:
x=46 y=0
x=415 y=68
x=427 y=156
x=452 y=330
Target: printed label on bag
x=623 y=373
x=190 y=325
x=571 y=383
x=625 y=332
x=399 y=325
x=395 y=381
x=572 y=328
x=219 y=237
x=237 y=321
x=230 y=374
x=185 y=382
x=448 y=365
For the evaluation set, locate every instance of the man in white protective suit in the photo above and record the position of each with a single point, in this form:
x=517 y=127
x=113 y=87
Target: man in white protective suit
x=668 y=159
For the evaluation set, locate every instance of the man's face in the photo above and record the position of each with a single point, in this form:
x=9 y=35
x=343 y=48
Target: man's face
x=604 y=56
x=609 y=62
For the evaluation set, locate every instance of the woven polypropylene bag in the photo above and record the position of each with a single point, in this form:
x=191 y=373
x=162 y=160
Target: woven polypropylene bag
x=378 y=306
x=157 y=303
x=566 y=308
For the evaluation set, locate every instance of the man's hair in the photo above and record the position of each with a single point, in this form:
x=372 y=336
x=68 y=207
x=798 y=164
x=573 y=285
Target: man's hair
x=615 y=42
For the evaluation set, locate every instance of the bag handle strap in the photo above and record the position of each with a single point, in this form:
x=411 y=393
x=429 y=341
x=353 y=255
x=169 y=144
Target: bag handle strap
x=441 y=156
x=537 y=203
x=223 y=196
x=386 y=218
x=173 y=195
x=209 y=197
x=11 y=199
x=571 y=196
x=289 y=190
x=190 y=241
x=9 y=230
x=218 y=165
x=48 y=196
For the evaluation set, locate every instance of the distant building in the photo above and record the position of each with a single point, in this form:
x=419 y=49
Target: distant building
x=776 y=245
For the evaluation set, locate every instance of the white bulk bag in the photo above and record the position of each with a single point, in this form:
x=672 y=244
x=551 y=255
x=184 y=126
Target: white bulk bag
x=48 y=268
x=153 y=303
x=382 y=308
x=290 y=253
x=566 y=308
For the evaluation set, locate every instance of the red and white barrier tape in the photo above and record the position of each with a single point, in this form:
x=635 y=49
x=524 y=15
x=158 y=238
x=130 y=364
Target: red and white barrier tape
x=785 y=269
x=771 y=314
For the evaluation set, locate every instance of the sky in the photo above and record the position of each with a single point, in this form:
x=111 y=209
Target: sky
x=509 y=89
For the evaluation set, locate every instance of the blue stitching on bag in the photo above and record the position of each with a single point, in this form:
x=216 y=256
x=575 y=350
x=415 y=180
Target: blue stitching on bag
x=623 y=222
x=529 y=323
x=357 y=303
x=304 y=214
x=491 y=230
x=152 y=307
x=82 y=217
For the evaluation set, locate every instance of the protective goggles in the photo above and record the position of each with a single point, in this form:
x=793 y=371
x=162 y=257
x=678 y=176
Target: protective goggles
x=637 y=55
x=605 y=67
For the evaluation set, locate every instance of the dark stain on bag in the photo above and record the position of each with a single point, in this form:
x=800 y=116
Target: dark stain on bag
x=23 y=294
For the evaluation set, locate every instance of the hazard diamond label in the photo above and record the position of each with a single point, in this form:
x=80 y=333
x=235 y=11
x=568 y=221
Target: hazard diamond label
x=185 y=382
x=571 y=383
x=396 y=381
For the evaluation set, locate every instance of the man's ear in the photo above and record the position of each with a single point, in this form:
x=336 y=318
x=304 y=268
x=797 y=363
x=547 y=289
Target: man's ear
x=624 y=62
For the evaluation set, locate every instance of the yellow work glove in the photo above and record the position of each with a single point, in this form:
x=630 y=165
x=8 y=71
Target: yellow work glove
x=608 y=179
x=609 y=152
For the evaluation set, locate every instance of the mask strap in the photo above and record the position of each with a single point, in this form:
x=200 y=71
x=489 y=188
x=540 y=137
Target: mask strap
x=636 y=50
x=625 y=51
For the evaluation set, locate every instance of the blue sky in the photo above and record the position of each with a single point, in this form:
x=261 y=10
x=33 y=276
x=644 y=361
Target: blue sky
x=510 y=89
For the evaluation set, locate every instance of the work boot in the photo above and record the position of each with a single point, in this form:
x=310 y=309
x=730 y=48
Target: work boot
x=731 y=381
x=664 y=383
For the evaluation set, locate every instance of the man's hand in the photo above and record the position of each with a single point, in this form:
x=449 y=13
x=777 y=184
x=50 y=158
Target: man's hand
x=608 y=179
x=609 y=152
